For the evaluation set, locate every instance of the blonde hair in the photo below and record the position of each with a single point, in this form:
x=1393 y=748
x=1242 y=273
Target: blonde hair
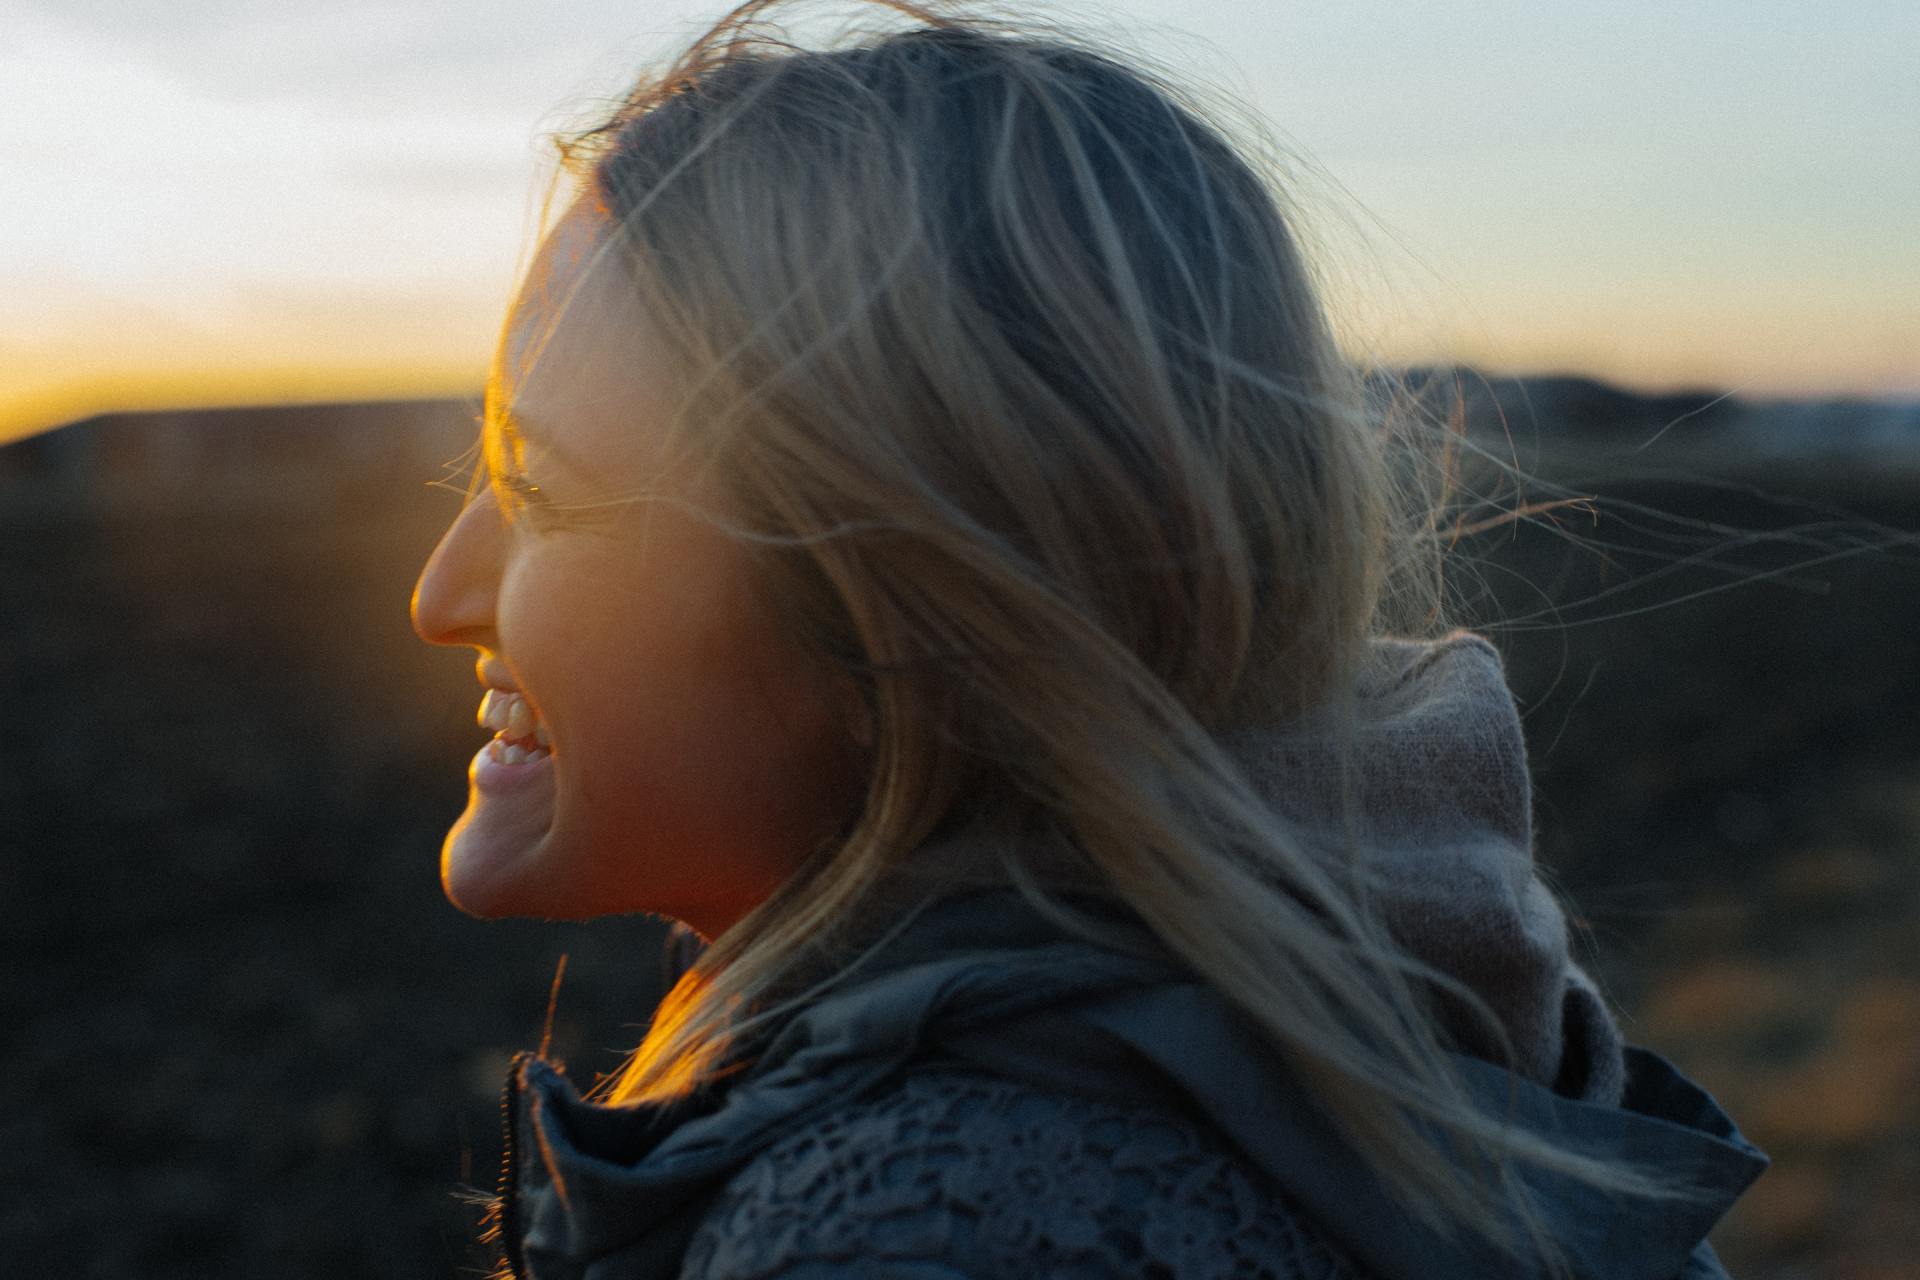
x=1019 y=388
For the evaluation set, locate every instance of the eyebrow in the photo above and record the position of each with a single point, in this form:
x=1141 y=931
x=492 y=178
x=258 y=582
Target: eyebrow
x=514 y=426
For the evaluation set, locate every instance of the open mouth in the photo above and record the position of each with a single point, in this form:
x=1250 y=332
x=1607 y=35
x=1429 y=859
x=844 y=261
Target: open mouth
x=520 y=737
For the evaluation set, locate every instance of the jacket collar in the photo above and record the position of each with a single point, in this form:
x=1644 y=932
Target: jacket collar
x=977 y=977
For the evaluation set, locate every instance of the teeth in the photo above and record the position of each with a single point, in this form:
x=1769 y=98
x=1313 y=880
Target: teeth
x=494 y=708
x=503 y=752
x=511 y=714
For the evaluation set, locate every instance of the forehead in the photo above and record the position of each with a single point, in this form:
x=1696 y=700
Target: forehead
x=568 y=272
x=577 y=360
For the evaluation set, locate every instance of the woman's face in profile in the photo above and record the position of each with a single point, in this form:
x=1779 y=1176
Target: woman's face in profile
x=693 y=761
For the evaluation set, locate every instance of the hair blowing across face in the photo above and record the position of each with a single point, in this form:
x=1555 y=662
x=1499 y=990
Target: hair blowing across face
x=1017 y=384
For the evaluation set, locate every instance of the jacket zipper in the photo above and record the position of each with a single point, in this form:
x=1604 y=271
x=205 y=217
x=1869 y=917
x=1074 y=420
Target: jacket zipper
x=509 y=1177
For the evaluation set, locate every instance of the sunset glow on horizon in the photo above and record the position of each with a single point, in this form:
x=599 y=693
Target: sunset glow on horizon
x=258 y=204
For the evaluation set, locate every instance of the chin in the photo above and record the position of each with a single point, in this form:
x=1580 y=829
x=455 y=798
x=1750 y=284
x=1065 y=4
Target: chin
x=487 y=880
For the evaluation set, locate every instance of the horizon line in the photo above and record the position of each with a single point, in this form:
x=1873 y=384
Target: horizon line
x=435 y=386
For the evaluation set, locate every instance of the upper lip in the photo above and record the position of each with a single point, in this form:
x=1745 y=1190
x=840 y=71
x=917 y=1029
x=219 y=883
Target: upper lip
x=493 y=679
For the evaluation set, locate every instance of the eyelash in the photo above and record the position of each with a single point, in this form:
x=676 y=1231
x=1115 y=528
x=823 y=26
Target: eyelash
x=522 y=492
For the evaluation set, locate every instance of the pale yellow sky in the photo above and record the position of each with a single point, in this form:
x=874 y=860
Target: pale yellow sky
x=249 y=201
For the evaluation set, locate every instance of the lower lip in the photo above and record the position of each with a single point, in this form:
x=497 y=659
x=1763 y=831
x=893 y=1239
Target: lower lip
x=496 y=778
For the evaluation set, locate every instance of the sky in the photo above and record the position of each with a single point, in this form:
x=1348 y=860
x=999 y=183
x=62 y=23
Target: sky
x=241 y=201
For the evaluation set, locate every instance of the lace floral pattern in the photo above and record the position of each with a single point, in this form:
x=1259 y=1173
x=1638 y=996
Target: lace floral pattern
x=955 y=1173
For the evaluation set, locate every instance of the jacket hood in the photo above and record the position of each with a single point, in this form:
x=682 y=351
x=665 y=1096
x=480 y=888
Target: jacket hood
x=984 y=977
x=1444 y=803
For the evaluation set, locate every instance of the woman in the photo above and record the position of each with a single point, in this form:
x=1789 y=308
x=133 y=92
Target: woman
x=935 y=552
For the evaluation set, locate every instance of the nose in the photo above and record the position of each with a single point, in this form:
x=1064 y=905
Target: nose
x=453 y=601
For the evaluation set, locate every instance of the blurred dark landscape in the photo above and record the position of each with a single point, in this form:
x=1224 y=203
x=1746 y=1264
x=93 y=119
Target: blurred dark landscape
x=247 y=1035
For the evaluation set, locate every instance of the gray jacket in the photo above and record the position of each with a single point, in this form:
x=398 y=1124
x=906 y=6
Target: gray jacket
x=987 y=1096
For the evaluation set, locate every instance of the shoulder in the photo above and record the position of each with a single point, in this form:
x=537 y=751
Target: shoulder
x=952 y=1173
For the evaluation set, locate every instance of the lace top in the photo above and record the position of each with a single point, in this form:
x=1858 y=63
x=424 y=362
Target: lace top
x=954 y=1173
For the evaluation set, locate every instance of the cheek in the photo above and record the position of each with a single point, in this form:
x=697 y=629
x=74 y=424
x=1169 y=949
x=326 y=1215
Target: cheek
x=640 y=684
x=705 y=739
x=553 y=621
x=692 y=759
